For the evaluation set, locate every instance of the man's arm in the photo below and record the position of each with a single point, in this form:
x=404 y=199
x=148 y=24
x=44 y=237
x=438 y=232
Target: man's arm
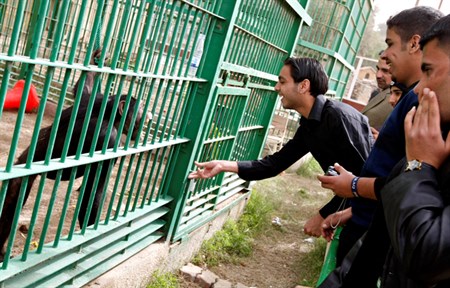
x=416 y=214
x=269 y=166
x=342 y=183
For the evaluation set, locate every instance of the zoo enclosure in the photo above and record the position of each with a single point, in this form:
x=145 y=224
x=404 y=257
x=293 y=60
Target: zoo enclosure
x=204 y=69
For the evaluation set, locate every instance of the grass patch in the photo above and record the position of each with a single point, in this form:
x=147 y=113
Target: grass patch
x=235 y=240
x=163 y=280
x=309 y=169
x=311 y=264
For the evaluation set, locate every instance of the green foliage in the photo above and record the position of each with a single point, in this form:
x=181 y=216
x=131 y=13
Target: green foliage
x=235 y=240
x=163 y=280
x=256 y=216
x=309 y=169
x=311 y=264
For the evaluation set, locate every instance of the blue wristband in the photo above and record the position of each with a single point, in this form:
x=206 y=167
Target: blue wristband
x=354 y=187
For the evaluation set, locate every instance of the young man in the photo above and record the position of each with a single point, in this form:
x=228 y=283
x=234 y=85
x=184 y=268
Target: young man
x=332 y=131
x=376 y=110
x=416 y=201
x=404 y=57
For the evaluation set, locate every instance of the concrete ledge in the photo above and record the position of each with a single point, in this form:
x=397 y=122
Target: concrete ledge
x=163 y=256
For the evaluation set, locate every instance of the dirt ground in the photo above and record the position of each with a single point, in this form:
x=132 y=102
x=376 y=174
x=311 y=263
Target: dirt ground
x=277 y=255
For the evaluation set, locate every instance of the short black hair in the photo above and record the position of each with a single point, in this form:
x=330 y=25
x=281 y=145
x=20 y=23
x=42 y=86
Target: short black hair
x=311 y=69
x=440 y=31
x=413 y=21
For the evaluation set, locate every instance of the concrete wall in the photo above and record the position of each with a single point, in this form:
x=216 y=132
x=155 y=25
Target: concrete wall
x=163 y=256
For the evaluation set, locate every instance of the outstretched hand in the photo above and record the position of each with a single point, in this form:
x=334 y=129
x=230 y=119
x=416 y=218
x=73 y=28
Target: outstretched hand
x=340 y=184
x=206 y=169
x=423 y=133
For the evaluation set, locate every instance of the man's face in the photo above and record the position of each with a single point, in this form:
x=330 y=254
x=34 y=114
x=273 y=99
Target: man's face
x=396 y=56
x=287 y=89
x=436 y=76
x=383 y=75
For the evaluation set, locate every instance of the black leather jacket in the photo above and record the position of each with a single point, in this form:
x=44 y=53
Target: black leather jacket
x=417 y=208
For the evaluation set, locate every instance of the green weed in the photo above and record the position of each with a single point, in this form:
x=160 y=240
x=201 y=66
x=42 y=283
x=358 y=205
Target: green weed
x=163 y=280
x=235 y=240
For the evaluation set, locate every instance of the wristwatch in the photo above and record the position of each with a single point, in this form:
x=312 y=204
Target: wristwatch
x=413 y=165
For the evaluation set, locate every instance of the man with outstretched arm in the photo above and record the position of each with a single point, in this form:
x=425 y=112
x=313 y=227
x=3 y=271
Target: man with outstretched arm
x=332 y=131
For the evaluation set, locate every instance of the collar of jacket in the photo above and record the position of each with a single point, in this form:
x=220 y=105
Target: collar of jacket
x=317 y=108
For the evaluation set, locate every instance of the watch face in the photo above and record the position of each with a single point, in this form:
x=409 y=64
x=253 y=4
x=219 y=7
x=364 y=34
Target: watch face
x=413 y=165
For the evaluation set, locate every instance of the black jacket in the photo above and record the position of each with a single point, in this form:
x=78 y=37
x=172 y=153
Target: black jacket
x=417 y=207
x=333 y=132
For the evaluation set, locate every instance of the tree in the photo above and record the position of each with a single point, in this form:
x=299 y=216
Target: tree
x=373 y=39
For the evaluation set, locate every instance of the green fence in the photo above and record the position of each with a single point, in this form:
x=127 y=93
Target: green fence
x=334 y=37
x=204 y=69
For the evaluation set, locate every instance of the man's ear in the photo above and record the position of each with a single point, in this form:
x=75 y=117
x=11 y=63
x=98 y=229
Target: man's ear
x=304 y=86
x=413 y=43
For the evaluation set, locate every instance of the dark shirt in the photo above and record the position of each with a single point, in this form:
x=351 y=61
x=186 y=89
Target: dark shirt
x=386 y=152
x=334 y=132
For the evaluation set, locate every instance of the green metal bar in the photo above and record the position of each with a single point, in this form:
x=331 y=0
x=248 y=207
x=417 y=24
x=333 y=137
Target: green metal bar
x=104 y=193
x=158 y=172
x=34 y=216
x=124 y=117
x=48 y=216
x=150 y=177
x=17 y=24
x=113 y=196
x=48 y=80
x=19 y=120
x=32 y=27
x=65 y=207
x=76 y=212
x=15 y=222
x=133 y=182
x=134 y=35
x=204 y=11
x=136 y=111
x=154 y=171
x=92 y=97
x=141 y=180
x=123 y=191
x=92 y=195
x=145 y=36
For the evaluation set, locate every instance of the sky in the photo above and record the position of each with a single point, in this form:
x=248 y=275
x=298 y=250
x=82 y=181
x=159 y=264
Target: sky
x=387 y=8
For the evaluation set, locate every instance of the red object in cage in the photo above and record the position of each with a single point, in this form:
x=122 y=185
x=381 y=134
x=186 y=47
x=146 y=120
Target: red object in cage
x=14 y=96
